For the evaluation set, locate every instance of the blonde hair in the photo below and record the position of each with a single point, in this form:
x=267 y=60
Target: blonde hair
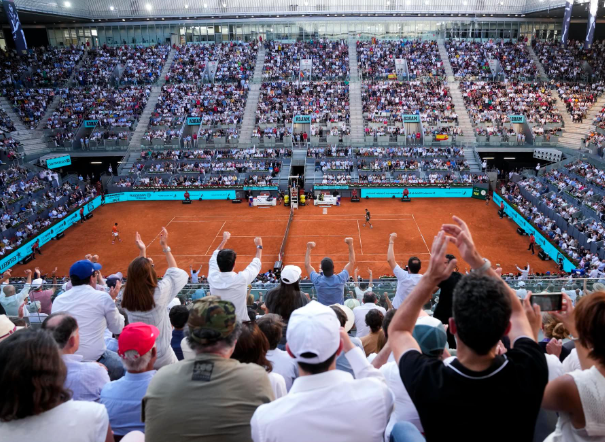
x=553 y=328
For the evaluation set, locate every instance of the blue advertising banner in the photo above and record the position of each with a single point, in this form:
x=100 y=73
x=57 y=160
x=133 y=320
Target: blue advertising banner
x=418 y=192
x=544 y=244
x=411 y=118
x=13 y=18
x=336 y=186
x=302 y=119
x=517 y=119
x=53 y=163
x=90 y=123
x=46 y=236
x=261 y=188
x=193 y=121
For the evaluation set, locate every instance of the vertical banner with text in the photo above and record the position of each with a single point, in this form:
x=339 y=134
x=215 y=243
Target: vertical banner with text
x=13 y=18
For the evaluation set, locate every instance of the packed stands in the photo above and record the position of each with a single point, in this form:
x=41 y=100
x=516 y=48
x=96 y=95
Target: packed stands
x=30 y=104
x=579 y=98
x=143 y=65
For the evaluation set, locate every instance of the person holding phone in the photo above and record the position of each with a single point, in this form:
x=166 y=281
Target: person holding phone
x=578 y=396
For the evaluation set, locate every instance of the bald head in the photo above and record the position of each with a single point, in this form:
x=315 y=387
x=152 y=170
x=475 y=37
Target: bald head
x=63 y=328
x=9 y=290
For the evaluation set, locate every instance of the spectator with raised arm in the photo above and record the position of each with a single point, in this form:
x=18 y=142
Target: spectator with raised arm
x=479 y=384
x=10 y=299
x=94 y=310
x=146 y=299
x=406 y=279
x=578 y=396
x=195 y=274
x=358 y=292
x=330 y=286
x=39 y=294
x=226 y=283
x=84 y=379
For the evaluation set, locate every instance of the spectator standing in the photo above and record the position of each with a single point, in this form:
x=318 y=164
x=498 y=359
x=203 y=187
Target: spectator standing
x=225 y=383
x=94 y=310
x=43 y=296
x=195 y=274
x=122 y=398
x=358 y=292
x=369 y=303
x=84 y=379
x=10 y=299
x=146 y=299
x=272 y=327
x=406 y=279
x=578 y=396
x=227 y=284
x=322 y=398
x=330 y=286
x=478 y=384
x=36 y=405
x=178 y=319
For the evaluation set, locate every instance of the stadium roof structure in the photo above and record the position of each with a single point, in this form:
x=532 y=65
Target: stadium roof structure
x=140 y=9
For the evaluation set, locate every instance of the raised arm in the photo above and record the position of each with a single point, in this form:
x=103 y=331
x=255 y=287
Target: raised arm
x=258 y=242
x=402 y=325
x=371 y=284
x=308 y=267
x=226 y=236
x=351 y=264
x=520 y=325
x=140 y=245
x=355 y=278
x=5 y=277
x=54 y=275
x=167 y=251
x=391 y=251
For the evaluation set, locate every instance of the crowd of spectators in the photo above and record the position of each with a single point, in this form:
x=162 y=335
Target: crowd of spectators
x=389 y=101
x=561 y=62
x=280 y=101
x=330 y=60
x=30 y=104
x=235 y=62
x=143 y=64
x=376 y=60
x=579 y=98
x=494 y=102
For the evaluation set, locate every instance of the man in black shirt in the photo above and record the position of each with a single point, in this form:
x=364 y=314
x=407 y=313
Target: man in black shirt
x=479 y=387
x=443 y=311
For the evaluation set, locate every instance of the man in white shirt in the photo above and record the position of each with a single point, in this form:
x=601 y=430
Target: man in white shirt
x=323 y=399
x=95 y=311
x=521 y=291
x=11 y=300
x=227 y=284
x=524 y=272
x=84 y=379
x=369 y=303
x=406 y=279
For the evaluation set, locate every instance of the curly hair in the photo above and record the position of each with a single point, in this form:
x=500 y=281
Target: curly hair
x=553 y=328
x=32 y=375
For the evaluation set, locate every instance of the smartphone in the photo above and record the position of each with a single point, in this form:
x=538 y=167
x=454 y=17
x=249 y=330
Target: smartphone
x=548 y=302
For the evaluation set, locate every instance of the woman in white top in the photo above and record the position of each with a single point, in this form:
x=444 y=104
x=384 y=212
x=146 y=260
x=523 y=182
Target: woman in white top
x=35 y=406
x=251 y=348
x=146 y=299
x=579 y=396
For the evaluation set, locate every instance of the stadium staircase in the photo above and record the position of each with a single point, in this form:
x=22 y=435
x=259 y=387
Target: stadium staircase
x=535 y=59
x=7 y=107
x=72 y=78
x=355 y=106
x=470 y=155
x=573 y=133
x=31 y=141
x=162 y=80
x=249 y=121
x=468 y=138
x=49 y=111
x=137 y=136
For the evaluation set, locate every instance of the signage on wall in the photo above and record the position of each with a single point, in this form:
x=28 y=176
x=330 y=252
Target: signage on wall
x=17 y=31
x=411 y=118
x=53 y=163
x=90 y=123
x=192 y=121
x=517 y=119
x=302 y=119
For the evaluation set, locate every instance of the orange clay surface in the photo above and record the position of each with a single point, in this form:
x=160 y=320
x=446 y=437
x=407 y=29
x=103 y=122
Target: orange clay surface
x=196 y=230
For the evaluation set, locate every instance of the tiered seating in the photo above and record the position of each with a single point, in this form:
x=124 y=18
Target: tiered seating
x=143 y=65
x=561 y=62
x=30 y=203
x=99 y=67
x=579 y=98
x=377 y=60
x=330 y=59
x=30 y=104
x=40 y=67
x=470 y=59
x=236 y=62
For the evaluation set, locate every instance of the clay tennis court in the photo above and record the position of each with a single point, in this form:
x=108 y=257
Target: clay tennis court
x=196 y=230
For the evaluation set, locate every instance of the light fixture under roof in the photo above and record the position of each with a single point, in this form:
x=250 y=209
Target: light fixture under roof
x=186 y=6
x=111 y=8
x=67 y=4
x=148 y=6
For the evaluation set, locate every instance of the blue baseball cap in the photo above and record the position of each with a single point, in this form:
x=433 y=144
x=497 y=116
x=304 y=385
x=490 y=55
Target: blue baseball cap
x=430 y=334
x=84 y=269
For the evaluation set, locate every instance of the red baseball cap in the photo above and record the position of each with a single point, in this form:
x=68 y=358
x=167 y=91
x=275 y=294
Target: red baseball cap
x=137 y=336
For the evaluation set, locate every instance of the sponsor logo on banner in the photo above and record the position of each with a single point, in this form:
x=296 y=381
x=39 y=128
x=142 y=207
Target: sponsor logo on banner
x=419 y=192
x=53 y=163
x=192 y=121
x=479 y=193
x=302 y=119
x=411 y=118
x=517 y=119
x=90 y=123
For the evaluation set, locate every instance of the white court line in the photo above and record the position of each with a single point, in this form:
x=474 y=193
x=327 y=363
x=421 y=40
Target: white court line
x=209 y=247
x=156 y=237
x=360 y=243
x=418 y=227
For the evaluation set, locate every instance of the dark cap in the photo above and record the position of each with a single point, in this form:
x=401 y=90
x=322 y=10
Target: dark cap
x=213 y=314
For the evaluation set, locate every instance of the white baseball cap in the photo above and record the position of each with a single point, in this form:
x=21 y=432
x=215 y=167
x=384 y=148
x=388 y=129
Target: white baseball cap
x=350 y=316
x=290 y=274
x=313 y=329
x=37 y=283
x=521 y=284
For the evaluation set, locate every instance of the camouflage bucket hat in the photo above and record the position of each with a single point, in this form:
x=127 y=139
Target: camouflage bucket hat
x=212 y=314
